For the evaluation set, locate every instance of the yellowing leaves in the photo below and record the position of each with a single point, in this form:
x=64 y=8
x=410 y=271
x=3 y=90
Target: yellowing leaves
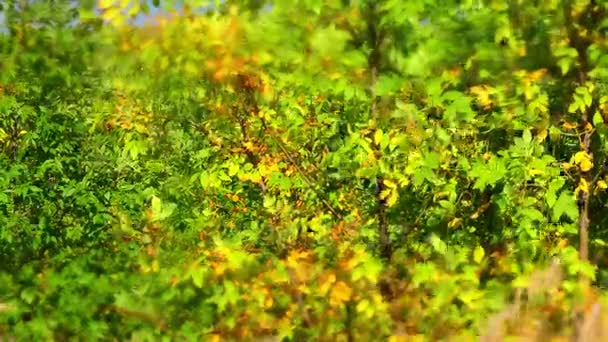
x=534 y=76
x=530 y=87
x=390 y=193
x=152 y=268
x=326 y=283
x=105 y=4
x=586 y=165
x=262 y=294
x=340 y=294
x=535 y=172
x=583 y=160
x=214 y=337
x=113 y=15
x=406 y=338
x=583 y=186
x=480 y=210
x=483 y=93
x=113 y=11
x=390 y=184
x=455 y=222
x=3 y=135
x=300 y=263
x=568 y=125
x=253 y=176
x=542 y=135
x=129 y=115
x=478 y=254
x=365 y=307
x=378 y=135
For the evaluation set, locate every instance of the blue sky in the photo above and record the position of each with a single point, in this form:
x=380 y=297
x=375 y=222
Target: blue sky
x=138 y=21
x=141 y=18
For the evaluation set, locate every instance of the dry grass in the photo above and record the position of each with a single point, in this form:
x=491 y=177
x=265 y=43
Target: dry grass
x=546 y=320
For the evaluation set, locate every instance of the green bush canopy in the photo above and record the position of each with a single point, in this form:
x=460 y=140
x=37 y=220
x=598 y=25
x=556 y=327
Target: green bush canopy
x=303 y=170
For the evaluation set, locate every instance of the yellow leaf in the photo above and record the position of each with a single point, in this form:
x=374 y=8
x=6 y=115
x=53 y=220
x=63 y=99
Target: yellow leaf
x=521 y=51
x=364 y=306
x=327 y=283
x=440 y=195
x=580 y=155
x=392 y=199
x=134 y=10
x=255 y=177
x=378 y=136
x=111 y=14
x=340 y=293
x=586 y=165
x=104 y=4
x=590 y=86
x=455 y=222
x=406 y=338
x=542 y=135
x=582 y=186
x=536 y=172
x=478 y=254
x=385 y=193
x=390 y=183
x=294 y=259
x=335 y=75
x=482 y=208
x=482 y=95
x=535 y=75
x=583 y=160
x=568 y=125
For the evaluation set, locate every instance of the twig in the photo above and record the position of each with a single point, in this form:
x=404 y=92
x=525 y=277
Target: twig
x=308 y=181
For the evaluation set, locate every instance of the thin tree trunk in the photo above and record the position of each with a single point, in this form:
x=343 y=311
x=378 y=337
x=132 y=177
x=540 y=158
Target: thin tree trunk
x=375 y=38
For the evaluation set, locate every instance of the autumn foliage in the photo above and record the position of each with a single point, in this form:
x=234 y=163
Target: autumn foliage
x=303 y=170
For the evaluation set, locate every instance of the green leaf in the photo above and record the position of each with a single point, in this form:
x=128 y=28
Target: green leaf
x=233 y=169
x=565 y=205
x=423 y=273
x=488 y=173
x=564 y=65
x=438 y=245
x=198 y=277
x=532 y=214
x=597 y=119
x=551 y=195
x=527 y=136
x=156 y=204
x=370 y=269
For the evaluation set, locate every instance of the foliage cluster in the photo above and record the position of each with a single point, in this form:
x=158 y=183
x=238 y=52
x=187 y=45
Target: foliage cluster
x=303 y=169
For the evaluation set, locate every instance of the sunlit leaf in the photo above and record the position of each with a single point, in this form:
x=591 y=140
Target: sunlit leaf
x=478 y=254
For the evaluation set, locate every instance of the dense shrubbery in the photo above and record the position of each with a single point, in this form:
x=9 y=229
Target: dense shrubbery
x=302 y=170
